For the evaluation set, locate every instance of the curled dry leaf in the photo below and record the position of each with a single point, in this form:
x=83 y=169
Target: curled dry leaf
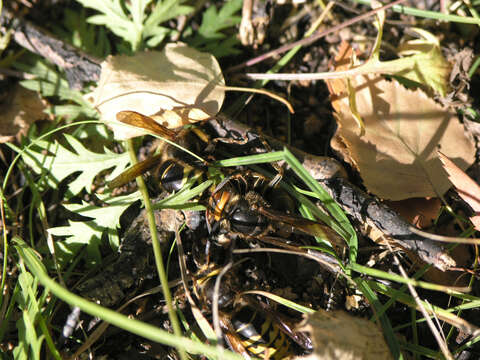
x=176 y=86
x=397 y=156
x=21 y=108
x=468 y=189
x=338 y=335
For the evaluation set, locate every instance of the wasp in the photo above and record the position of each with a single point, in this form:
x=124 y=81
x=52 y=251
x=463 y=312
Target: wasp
x=245 y=323
x=251 y=206
x=261 y=333
x=245 y=204
x=249 y=326
x=173 y=166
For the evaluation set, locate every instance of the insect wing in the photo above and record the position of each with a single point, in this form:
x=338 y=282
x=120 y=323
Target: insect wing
x=136 y=119
x=232 y=337
x=309 y=227
x=136 y=170
x=300 y=338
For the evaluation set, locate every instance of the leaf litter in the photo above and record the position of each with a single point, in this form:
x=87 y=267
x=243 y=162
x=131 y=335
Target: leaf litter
x=361 y=338
x=397 y=156
x=22 y=108
x=176 y=86
x=468 y=189
x=162 y=85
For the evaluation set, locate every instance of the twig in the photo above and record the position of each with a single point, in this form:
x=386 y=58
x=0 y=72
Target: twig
x=311 y=39
x=79 y=67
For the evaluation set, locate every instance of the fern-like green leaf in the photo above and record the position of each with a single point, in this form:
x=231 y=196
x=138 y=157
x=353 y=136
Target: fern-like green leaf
x=213 y=22
x=89 y=233
x=163 y=11
x=49 y=82
x=136 y=22
x=76 y=30
x=209 y=36
x=56 y=162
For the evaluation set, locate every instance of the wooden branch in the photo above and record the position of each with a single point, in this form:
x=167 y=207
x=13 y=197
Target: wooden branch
x=79 y=68
x=368 y=209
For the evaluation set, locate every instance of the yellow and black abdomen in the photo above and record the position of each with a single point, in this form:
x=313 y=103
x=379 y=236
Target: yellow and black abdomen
x=174 y=174
x=260 y=334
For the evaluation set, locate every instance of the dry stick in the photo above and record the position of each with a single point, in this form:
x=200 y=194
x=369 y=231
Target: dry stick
x=367 y=209
x=79 y=67
x=311 y=39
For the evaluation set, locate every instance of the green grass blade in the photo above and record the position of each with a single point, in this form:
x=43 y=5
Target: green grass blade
x=134 y=326
x=372 y=298
x=252 y=159
x=331 y=206
x=428 y=14
x=379 y=274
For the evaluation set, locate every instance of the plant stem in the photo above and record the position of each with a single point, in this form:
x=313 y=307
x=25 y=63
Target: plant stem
x=157 y=251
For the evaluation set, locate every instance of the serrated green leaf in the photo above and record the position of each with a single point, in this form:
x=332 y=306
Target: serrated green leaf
x=89 y=233
x=76 y=30
x=430 y=69
x=79 y=233
x=49 y=82
x=164 y=11
x=427 y=67
x=106 y=217
x=120 y=27
x=222 y=48
x=213 y=21
x=157 y=39
x=135 y=25
x=59 y=162
x=208 y=35
x=138 y=9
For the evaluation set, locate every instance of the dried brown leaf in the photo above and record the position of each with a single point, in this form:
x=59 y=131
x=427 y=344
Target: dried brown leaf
x=420 y=212
x=338 y=335
x=468 y=189
x=397 y=156
x=178 y=85
x=22 y=108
